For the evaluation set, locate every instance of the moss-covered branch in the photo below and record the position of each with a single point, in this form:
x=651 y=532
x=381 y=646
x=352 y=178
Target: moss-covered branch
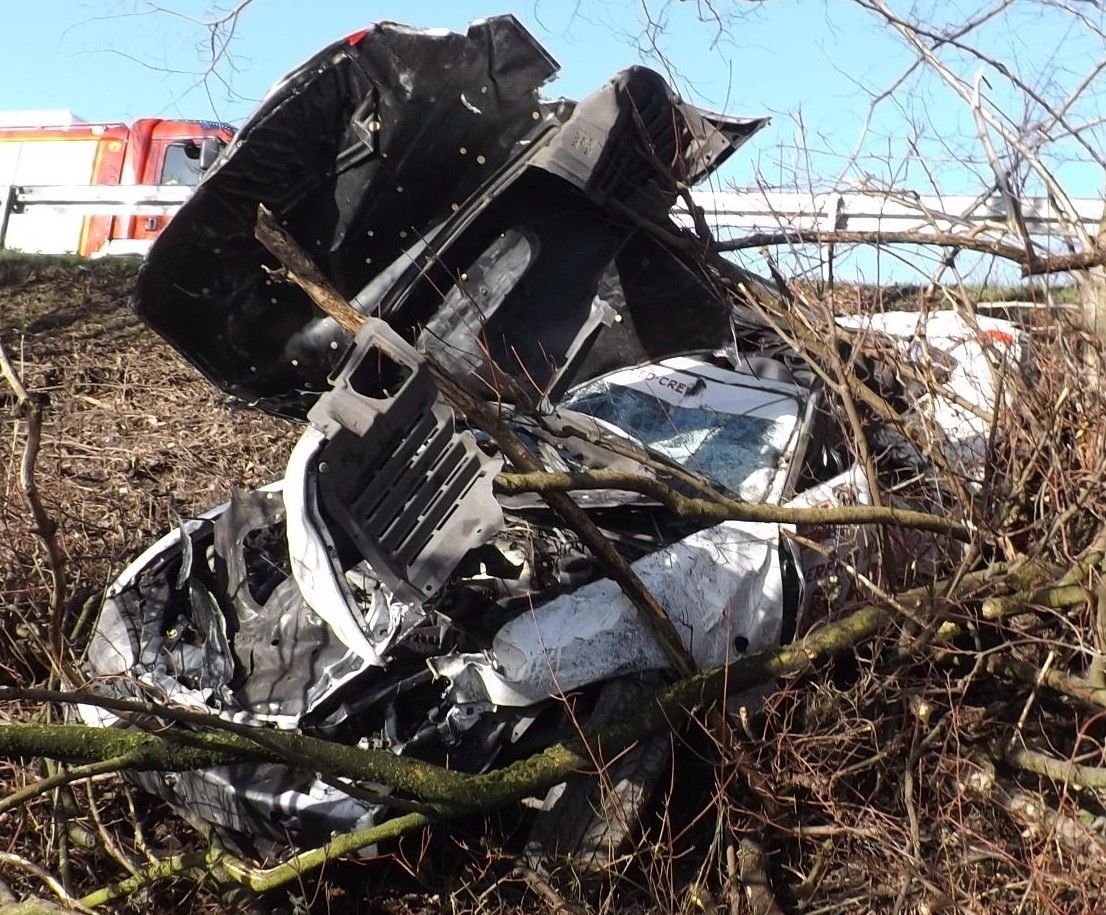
x=457 y=792
x=1066 y=684
x=260 y=880
x=74 y=743
x=446 y=793
x=1058 y=770
x=722 y=508
x=208 y=743
x=174 y=750
x=1053 y=597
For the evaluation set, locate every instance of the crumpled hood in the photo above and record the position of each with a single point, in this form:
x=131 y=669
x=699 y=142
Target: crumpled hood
x=379 y=154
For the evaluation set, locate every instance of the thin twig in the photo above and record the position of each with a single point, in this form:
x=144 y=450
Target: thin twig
x=65 y=777
x=45 y=527
x=48 y=880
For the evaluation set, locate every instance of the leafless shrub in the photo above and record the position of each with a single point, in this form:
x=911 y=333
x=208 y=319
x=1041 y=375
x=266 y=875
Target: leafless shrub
x=955 y=760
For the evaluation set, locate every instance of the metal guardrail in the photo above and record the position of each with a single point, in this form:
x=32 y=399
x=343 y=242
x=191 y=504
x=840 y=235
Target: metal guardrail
x=860 y=211
x=89 y=200
x=101 y=199
x=872 y=211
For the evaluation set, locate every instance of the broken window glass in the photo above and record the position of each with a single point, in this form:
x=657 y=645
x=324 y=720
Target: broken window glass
x=740 y=451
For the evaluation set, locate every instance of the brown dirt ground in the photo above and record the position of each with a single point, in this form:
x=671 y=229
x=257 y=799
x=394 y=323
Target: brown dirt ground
x=131 y=431
x=869 y=808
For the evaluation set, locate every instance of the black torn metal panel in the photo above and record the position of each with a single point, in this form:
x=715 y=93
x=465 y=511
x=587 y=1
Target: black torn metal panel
x=361 y=151
x=396 y=158
x=634 y=144
x=275 y=636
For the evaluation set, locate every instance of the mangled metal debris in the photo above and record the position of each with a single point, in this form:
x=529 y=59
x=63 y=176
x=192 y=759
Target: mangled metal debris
x=381 y=595
x=439 y=192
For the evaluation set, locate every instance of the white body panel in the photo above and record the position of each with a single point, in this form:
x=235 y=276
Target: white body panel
x=48 y=161
x=717 y=584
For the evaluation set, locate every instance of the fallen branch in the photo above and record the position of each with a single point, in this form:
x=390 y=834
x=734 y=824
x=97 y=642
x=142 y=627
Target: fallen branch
x=1062 y=682
x=218 y=742
x=722 y=508
x=163 y=751
x=260 y=880
x=474 y=792
x=448 y=792
x=1069 y=590
x=1054 y=597
x=1062 y=771
x=1031 y=813
x=944 y=239
x=176 y=749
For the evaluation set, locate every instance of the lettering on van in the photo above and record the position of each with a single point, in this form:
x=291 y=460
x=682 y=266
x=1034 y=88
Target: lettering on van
x=683 y=388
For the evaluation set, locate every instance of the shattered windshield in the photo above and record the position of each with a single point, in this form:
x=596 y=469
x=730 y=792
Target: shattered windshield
x=738 y=450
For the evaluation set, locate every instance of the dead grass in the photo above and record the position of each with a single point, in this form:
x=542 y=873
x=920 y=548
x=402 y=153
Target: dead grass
x=869 y=786
x=131 y=430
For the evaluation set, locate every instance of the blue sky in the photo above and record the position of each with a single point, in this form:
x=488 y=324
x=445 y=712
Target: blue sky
x=813 y=65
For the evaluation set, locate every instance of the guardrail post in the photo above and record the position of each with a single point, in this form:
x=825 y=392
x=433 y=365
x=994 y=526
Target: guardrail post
x=6 y=212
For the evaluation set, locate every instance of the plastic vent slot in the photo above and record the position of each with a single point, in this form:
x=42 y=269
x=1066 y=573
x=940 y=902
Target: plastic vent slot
x=412 y=493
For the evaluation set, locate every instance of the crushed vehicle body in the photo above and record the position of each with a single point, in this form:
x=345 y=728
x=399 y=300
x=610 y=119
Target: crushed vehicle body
x=404 y=159
x=266 y=613
x=383 y=594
